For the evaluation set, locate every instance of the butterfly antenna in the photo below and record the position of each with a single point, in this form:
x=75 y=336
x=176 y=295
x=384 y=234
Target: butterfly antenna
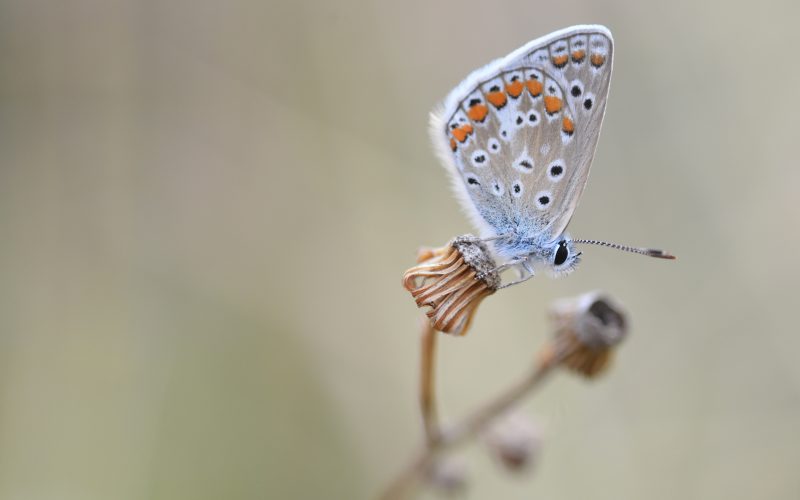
x=650 y=252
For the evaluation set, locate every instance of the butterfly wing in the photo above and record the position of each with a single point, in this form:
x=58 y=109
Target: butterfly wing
x=518 y=135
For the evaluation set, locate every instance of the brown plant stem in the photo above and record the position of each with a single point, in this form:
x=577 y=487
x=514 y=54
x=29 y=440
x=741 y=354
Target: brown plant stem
x=427 y=390
x=476 y=421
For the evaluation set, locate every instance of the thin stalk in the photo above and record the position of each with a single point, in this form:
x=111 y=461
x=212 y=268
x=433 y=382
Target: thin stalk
x=427 y=389
x=473 y=423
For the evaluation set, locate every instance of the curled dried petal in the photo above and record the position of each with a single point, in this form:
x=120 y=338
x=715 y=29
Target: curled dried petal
x=452 y=281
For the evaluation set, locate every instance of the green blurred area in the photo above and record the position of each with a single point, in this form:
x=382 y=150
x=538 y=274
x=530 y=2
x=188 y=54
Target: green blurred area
x=206 y=209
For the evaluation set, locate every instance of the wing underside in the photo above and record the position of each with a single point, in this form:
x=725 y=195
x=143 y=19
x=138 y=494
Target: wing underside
x=518 y=135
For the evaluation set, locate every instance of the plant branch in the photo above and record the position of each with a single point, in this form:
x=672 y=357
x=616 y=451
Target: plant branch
x=474 y=422
x=427 y=390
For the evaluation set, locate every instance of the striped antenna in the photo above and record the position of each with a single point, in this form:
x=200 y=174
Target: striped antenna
x=650 y=252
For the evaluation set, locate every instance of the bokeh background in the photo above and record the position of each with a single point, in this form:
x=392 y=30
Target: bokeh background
x=206 y=209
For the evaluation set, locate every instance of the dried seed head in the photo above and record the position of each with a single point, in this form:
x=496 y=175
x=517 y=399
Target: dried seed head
x=588 y=328
x=514 y=441
x=452 y=281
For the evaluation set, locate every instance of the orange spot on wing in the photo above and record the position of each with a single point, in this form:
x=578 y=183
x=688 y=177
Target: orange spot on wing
x=498 y=99
x=597 y=60
x=560 y=61
x=534 y=87
x=514 y=89
x=453 y=145
x=567 y=126
x=478 y=112
x=462 y=132
x=552 y=104
x=578 y=55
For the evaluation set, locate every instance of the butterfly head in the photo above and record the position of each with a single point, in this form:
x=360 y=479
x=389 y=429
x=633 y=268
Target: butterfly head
x=560 y=257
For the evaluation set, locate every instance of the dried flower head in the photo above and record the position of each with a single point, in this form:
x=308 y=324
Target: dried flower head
x=588 y=328
x=515 y=441
x=452 y=281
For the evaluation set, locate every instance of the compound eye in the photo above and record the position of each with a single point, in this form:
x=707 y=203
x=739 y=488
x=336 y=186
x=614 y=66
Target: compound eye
x=561 y=253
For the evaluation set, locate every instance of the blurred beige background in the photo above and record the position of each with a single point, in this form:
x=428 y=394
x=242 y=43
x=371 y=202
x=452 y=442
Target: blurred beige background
x=206 y=209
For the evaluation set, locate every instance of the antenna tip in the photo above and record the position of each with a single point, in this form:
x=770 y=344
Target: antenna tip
x=660 y=254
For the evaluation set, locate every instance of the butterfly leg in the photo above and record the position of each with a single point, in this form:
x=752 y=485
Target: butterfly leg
x=517 y=282
x=508 y=265
x=525 y=267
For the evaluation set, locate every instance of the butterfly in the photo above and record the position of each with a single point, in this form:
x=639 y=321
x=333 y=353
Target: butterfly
x=518 y=137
